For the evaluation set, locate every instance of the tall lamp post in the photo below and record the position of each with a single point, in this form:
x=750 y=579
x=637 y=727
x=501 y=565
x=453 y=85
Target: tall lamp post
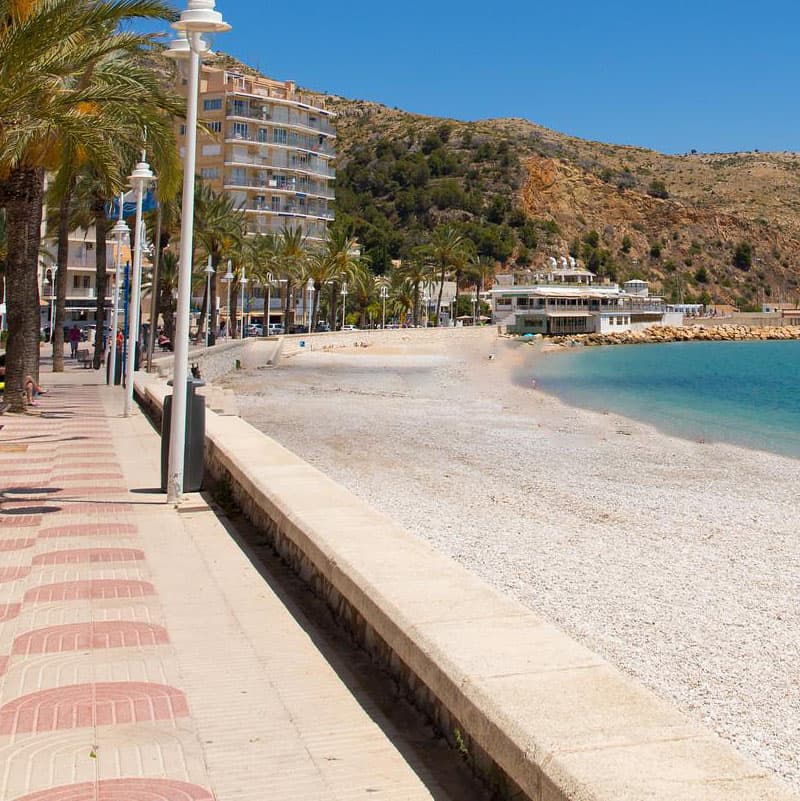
x=384 y=295
x=344 y=303
x=310 y=292
x=52 y=282
x=140 y=178
x=209 y=273
x=120 y=233
x=228 y=278
x=199 y=17
x=269 y=302
x=243 y=282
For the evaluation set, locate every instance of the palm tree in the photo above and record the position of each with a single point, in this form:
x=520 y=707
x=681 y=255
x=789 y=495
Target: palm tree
x=219 y=228
x=481 y=269
x=320 y=269
x=59 y=92
x=448 y=250
x=416 y=271
x=167 y=290
x=344 y=254
x=290 y=265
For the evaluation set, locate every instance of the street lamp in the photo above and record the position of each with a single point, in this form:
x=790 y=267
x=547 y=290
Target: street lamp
x=310 y=291
x=427 y=299
x=475 y=309
x=243 y=282
x=269 y=301
x=384 y=295
x=228 y=278
x=344 y=303
x=140 y=179
x=454 y=309
x=199 y=17
x=52 y=281
x=209 y=273
x=120 y=232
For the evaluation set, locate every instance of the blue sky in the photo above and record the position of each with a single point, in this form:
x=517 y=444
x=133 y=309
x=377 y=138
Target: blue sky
x=673 y=76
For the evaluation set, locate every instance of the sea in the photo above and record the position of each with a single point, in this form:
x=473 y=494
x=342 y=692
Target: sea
x=744 y=393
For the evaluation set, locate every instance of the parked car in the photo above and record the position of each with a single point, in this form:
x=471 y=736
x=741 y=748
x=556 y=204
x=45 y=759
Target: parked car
x=323 y=327
x=349 y=328
x=275 y=328
x=255 y=330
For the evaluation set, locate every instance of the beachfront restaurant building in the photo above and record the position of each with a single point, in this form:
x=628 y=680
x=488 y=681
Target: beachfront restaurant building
x=564 y=302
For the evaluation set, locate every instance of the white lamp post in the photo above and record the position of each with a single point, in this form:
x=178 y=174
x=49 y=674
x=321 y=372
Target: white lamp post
x=427 y=299
x=269 y=302
x=140 y=178
x=475 y=309
x=200 y=17
x=310 y=291
x=243 y=282
x=52 y=282
x=384 y=295
x=120 y=232
x=228 y=278
x=209 y=273
x=344 y=303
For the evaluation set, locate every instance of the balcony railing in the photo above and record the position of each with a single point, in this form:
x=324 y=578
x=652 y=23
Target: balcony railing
x=310 y=143
x=281 y=161
x=235 y=181
x=279 y=116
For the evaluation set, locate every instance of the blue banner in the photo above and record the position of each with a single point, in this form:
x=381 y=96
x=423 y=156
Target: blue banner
x=129 y=204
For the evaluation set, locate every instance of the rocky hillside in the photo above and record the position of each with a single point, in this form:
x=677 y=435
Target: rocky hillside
x=721 y=227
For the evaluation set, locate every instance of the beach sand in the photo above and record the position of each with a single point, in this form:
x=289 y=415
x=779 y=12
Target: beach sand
x=676 y=560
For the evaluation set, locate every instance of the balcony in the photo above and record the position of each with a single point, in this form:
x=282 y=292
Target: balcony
x=280 y=160
x=279 y=116
x=290 y=210
x=309 y=143
x=271 y=185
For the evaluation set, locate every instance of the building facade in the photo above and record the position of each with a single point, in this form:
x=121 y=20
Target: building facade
x=270 y=147
x=568 y=300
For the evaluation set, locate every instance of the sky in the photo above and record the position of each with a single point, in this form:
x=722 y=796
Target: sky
x=673 y=76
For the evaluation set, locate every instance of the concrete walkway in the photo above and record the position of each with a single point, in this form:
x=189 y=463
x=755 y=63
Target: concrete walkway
x=142 y=655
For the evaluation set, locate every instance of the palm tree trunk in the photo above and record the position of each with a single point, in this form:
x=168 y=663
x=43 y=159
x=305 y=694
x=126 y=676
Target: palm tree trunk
x=287 y=323
x=315 y=311
x=101 y=278
x=23 y=196
x=62 y=259
x=334 y=307
x=416 y=304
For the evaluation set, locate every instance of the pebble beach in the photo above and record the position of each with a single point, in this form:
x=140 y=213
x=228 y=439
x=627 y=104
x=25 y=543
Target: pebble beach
x=678 y=561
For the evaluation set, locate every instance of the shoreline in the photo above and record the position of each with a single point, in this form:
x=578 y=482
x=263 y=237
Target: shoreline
x=674 y=560
x=662 y=429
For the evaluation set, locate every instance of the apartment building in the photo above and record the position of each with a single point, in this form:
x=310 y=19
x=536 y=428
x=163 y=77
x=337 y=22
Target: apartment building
x=270 y=147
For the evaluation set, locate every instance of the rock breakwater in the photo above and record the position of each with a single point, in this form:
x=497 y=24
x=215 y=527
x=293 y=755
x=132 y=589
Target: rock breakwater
x=699 y=333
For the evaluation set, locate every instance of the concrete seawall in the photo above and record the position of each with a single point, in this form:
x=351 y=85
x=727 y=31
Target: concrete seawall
x=536 y=714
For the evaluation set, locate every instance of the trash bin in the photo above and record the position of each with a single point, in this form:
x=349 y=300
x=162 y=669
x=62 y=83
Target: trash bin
x=212 y=338
x=117 y=368
x=195 y=437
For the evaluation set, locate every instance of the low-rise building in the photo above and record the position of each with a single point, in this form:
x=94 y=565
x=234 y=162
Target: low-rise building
x=568 y=300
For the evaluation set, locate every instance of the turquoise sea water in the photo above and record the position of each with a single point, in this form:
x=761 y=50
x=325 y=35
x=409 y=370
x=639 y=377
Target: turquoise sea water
x=746 y=393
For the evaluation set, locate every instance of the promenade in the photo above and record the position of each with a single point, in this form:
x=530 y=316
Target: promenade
x=143 y=655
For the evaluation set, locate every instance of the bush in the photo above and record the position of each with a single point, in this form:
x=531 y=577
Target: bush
x=743 y=256
x=658 y=189
x=627 y=244
x=655 y=251
x=701 y=275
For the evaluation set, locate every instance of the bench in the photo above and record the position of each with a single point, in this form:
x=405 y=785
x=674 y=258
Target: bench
x=85 y=357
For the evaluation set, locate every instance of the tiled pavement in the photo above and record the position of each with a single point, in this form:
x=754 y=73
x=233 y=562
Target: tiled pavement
x=142 y=656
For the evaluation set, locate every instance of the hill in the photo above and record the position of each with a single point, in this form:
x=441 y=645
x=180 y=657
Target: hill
x=721 y=227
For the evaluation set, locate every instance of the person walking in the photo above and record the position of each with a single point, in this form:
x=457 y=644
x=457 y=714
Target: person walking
x=74 y=339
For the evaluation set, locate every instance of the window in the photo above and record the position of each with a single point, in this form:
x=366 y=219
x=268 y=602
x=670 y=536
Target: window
x=76 y=282
x=240 y=130
x=240 y=108
x=263 y=135
x=214 y=127
x=183 y=130
x=276 y=203
x=239 y=176
x=211 y=150
x=279 y=136
x=209 y=173
x=212 y=104
x=87 y=281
